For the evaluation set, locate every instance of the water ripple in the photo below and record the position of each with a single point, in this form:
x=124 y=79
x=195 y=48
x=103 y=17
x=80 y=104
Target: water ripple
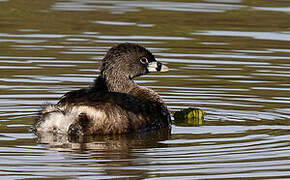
x=133 y=6
x=278 y=36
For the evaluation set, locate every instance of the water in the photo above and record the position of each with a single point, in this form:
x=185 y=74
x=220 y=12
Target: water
x=227 y=57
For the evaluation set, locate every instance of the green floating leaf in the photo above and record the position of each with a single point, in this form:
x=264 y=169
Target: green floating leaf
x=189 y=117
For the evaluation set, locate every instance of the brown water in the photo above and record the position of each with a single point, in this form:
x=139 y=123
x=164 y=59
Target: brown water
x=230 y=58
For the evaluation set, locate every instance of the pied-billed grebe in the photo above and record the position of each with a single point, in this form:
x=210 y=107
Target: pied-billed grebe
x=114 y=104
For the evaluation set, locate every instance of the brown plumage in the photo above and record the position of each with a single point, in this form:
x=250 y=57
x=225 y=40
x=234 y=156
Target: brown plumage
x=114 y=104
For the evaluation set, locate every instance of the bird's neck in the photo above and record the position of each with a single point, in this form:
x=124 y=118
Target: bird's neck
x=120 y=84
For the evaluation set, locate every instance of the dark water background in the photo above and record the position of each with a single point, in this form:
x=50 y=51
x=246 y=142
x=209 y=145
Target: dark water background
x=230 y=58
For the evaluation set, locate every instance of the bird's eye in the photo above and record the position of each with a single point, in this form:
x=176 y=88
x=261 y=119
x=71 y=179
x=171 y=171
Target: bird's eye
x=144 y=60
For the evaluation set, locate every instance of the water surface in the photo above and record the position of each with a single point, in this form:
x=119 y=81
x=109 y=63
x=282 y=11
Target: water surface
x=227 y=57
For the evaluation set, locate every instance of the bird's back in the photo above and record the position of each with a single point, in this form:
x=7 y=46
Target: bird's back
x=98 y=111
